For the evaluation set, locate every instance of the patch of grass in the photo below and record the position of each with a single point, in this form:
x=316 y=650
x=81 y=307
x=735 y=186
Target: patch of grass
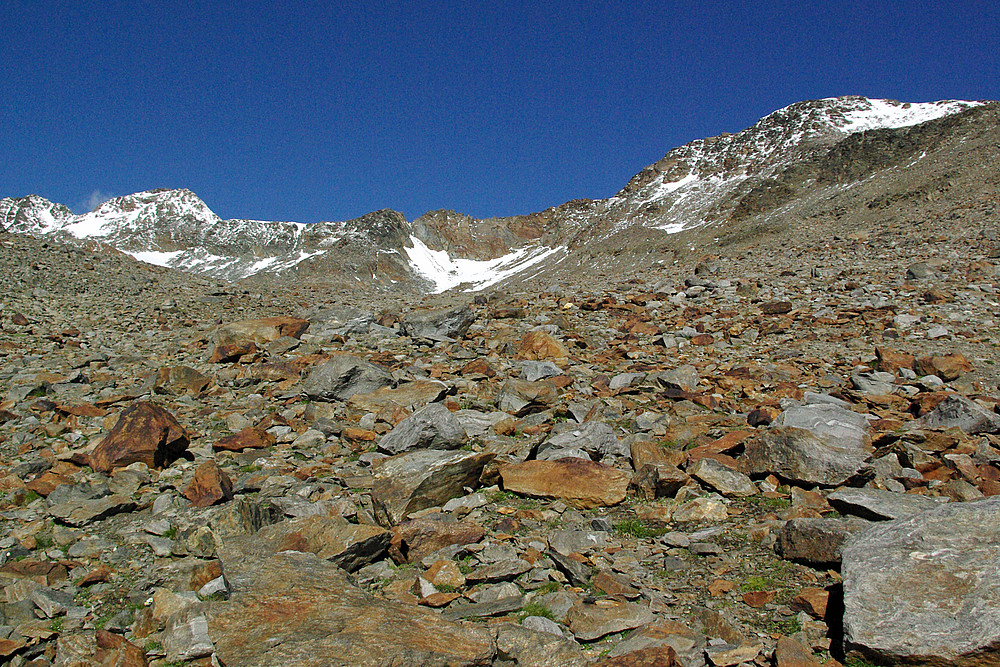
x=445 y=588
x=637 y=529
x=858 y=661
x=153 y=645
x=770 y=503
x=757 y=583
x=548 y=587
x=31 y=496
x=785 y=626
x=465 y=565
x=56 y=625
x=535 y=609
x=249 y=468
x=171 y=533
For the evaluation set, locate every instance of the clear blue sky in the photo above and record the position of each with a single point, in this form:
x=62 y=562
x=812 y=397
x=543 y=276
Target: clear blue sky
x=328 y=110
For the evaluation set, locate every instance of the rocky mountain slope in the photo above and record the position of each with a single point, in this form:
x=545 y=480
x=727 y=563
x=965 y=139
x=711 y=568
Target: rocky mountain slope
x=774 y=442
x=724 y=183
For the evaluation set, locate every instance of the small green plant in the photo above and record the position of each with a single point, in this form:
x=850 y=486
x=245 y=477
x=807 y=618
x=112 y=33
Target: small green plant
x=858 y=661
x=535 y=609
x=31 y=496
x=637 y=529
x=56 y=625
x=757 y=583
x=153 y=646
x=170 y=533
x=548 y=587
x=249 y=468
x=445 y=588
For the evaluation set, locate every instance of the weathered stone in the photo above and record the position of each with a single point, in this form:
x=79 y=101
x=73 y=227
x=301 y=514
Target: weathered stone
x=538 y=345
x=682 y=378
x=432 y=427
x=798 y=455
x=879 y=504
x=187 y=636
x=417 y=480
x=181 y=380
x=958 y=411
x=654 y=656
x=423 y=536
x=592 y=621
x=343 y=376
x=296 y=609
x=504 y=570
x=144 y=433
x=816 y=541
x=409 y=396
x=791 y=653
x=520 y=397
x=82 y=512
x=701 y=509
x=926 y=589
x=595 y=438
x=438 y=323
x=726 y=481
x=948 y=367
x=660 y=635
x=582 y=484
x=211 y=485
x=529 y=648
x=349 y=545
x=261 y=331
x=231 y=352
x=250 y=437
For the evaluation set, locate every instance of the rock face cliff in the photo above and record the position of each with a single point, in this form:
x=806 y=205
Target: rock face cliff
x=724 y=184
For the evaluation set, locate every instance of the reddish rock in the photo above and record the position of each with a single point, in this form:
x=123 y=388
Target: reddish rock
x=813 y=601
x=224 y=354
x=180 y=380
x=115 y=650
x=582 y=484
x=776 y=308
x=417 y=538
x=791 y=653
x=144 y=433
x=248 y=438
x=702 y=339
x=948 y=367
x=758 y=599
x=210 y=485
x=539 y=345
x=891 y=361
x=653 y=656
x=261 y=331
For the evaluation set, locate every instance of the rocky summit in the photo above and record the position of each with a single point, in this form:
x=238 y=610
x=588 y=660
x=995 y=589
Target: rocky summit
x=745 y=412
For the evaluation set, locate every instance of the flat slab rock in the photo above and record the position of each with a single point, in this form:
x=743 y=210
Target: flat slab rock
x=582 y=484
x=879 y=504
x=926 y=589
x=297 y=609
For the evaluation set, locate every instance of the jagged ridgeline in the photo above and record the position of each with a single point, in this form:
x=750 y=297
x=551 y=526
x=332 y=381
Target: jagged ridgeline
x=729 y=188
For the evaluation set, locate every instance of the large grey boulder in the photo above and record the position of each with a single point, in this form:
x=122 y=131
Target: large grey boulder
x=966 y=414
x=438 y=323
x=879 y=504
x=343 y=376
x=432 y=427
x=828 y=422
x=728 y=482
x=817 y=541
x=926 y=589
x=595 y=438
x=420 y=479
x=798 y=455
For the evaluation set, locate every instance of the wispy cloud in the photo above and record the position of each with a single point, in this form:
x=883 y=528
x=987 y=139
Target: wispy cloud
x=95 y=199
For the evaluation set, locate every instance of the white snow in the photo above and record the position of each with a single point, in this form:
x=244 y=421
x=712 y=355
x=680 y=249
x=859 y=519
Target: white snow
x=884 y=114
x=154 y=257
x=439 y=268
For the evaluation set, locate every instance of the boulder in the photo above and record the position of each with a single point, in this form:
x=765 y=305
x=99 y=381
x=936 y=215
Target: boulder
x=926 y=589
x=409 y=396
x=590 y=621
x=349 y=545
x=948 y=367
x=210 y=485
x=879 y=504
x=520 y=397
x=144 y=433
x=180 y=380
x=260 y=331
x=250 y=437
x=438 y=323
x=798 y=455
x=432 y=427
x=294 y=608
x=582 y=484
x=417 y=480
x=958 y=411
x=421 y=537
x=538 y=346
x=728 y=482
x=595 y=438
x=817 y=542
x=343 y=376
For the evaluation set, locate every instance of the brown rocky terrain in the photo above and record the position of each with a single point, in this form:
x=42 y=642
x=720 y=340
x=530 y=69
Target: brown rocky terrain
x=770 y=440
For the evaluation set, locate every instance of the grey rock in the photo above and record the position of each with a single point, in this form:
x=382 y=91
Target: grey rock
x=483 y=609
x=966 y=414
x=83 y=512
x=684 y=378
x=431 y=427
x=438 y=323
x=879 y=504
x=926 y=589
x=920 y=271
x=624 y=380
x=529 y=646
x=595 y=438
x=593 y=621
x=542 y=624
x=817 y=541
x=343 y=376
x=728 y=482
x=539 y=370
x=798 y=455
x=830 y=423
x=569 y=541
x=420 y=479
x=186 y=636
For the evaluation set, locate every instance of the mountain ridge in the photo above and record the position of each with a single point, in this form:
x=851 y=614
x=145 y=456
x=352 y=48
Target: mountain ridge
x=716 y=180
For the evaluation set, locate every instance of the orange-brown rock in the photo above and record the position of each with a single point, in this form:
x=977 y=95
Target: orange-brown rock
x=180 y=380
x=144 y=433
x=249 y=438
x=115 y=650
x=210 y=485
x=653 y=656
x=948 y=367
x=813 y=601
x=582 y=484
x=261 y=331
x=891 y=361
x=224 y=354
x=538 y=345
x=792 y=653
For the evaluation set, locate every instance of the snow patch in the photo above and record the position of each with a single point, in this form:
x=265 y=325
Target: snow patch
x=439 y=268
x=887 y=114
x=154 y=257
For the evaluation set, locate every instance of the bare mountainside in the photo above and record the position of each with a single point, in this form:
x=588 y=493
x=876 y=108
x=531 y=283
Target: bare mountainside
x=783 y=173
x=744 y=413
